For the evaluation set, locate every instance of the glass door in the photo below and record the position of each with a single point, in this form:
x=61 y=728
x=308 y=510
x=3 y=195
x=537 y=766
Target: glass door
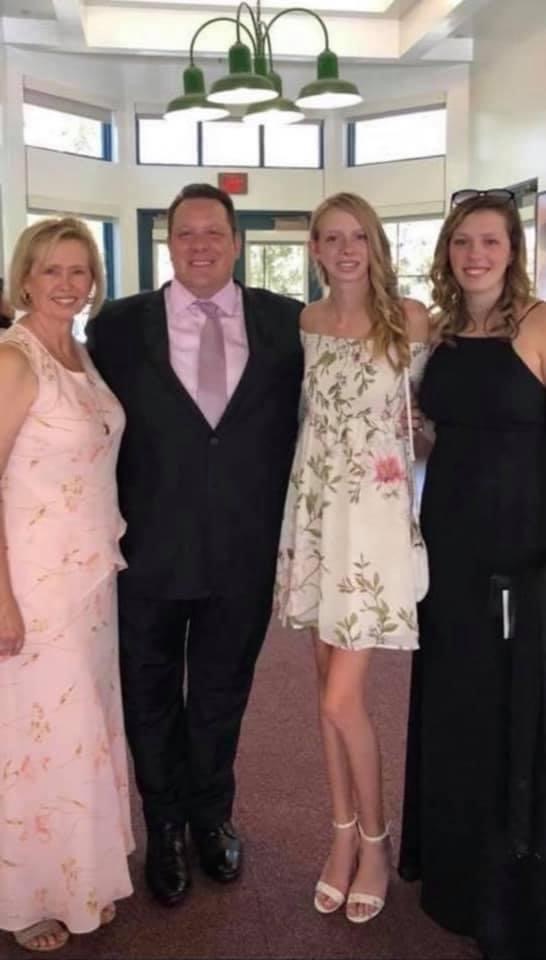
x=278 y=261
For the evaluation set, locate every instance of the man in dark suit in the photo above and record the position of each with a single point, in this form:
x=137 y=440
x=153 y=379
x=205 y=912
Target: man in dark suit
x=209 y=375
x=7 y=313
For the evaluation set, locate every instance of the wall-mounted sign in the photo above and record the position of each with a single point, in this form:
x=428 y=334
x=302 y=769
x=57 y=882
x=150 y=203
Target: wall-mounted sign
x=233 y=182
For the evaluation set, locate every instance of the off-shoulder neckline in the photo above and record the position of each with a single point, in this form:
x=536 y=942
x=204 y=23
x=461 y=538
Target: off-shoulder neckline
x=332 y=336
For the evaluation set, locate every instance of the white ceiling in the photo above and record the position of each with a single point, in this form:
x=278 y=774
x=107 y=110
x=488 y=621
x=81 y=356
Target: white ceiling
x=370 y=31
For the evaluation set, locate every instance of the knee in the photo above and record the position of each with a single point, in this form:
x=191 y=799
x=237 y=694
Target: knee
x=337 y=710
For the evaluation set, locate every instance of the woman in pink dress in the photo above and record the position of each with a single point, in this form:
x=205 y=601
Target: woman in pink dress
x=64 y=811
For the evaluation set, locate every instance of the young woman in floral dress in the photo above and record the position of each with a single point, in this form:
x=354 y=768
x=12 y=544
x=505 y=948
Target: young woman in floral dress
x=345 y=567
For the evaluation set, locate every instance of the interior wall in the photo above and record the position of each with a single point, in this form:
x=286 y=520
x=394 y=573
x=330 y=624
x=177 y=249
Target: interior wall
x=507 y=95
x=47 y=180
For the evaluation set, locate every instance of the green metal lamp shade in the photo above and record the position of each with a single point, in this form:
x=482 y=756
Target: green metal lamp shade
x=328 y=92
x=192 y=109
x=242 y=85
x=275 y=112
x=192 y=106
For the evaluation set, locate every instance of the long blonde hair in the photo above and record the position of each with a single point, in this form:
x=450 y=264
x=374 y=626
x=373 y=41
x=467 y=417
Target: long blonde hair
x=449 y=312
x=39 y=238
x=388 y=332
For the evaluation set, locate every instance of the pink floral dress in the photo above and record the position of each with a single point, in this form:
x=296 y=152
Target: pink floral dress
x=344 y=562
x=64 y=809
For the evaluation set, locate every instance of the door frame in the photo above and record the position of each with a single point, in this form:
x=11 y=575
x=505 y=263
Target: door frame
x=253 y=220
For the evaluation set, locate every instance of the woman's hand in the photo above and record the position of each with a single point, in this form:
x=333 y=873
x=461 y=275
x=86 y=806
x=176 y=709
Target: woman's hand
x=417 y=419
x=12 y=628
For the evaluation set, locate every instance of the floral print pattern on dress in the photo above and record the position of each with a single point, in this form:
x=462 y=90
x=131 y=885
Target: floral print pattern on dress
x=344 y=562
x=64 y=797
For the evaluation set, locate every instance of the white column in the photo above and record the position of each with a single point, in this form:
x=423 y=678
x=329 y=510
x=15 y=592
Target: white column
x=14 y=175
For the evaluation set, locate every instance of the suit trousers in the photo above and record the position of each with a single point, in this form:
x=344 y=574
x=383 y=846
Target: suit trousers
x=186 y=670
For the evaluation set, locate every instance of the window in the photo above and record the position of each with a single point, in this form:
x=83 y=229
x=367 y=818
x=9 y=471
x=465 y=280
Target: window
x=412 y=247
x=159 y=142
x=56 y=124
x=529 y=230
x=398 y=136
x=163 y=268
x=103 y=234
x=279 y=267
x=229 y=143
x=295 y=145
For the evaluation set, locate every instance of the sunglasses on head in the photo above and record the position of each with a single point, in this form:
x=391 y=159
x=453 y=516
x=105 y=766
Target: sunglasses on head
x=497 y=193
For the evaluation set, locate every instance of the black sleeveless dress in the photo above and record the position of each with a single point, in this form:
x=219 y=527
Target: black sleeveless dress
x=475 y=799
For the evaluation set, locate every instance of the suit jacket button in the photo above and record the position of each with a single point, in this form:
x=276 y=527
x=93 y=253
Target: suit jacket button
x=214 y=441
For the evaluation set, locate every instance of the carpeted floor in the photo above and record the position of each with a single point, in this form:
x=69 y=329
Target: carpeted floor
x=282 y=812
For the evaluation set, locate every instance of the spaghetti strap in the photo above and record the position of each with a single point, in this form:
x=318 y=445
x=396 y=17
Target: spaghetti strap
x=537 y=303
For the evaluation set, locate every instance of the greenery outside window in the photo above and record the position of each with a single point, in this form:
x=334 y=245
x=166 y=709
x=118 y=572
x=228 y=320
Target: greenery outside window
x=412 y=247
x=281 y=267
x=54 y=123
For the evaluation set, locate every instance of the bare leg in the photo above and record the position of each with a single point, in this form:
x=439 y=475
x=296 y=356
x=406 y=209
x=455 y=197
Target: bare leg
x=337 y=761
x=340 y=864
x=344 y=708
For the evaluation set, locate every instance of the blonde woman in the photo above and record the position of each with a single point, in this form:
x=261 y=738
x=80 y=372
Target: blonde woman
x=64 y=814
x=345 y=567
x=475 y=806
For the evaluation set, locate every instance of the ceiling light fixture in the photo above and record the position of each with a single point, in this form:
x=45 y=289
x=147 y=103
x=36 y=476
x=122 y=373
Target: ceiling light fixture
x=252 y=81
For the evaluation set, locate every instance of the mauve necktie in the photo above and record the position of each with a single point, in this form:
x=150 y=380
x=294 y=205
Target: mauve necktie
x=211 y=370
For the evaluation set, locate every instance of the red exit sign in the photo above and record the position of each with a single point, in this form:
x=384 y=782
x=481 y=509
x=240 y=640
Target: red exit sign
x=233 y=182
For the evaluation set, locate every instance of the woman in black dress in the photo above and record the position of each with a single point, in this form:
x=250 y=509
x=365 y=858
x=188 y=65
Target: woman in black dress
x=475 y=802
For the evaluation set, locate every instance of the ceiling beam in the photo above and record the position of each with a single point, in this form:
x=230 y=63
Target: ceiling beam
x=429 y=22
x=25 y=31
x=424 y=31
x=169 y=30
x=452 y=50
x=70 y=17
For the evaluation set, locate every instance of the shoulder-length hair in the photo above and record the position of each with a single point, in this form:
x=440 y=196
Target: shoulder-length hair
x=449 y=311
x=36 y=242
x=388 y=333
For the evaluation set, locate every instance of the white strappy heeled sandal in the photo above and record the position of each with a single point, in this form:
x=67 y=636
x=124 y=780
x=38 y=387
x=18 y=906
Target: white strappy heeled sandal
x=326 y=889
x=370 y=899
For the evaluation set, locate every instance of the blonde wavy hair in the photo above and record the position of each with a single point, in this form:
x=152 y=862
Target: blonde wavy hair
x=388 y=332
x=37 y=241
x=449 y=311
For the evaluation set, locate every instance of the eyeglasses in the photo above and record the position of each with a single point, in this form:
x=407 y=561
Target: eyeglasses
x=497 y=193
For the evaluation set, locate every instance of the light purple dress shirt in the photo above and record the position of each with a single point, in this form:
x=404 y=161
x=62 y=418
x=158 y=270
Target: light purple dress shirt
x=185 y=322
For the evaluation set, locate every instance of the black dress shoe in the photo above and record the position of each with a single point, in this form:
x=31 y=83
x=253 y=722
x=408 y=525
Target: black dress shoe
x=220 y=851
x=167 y=871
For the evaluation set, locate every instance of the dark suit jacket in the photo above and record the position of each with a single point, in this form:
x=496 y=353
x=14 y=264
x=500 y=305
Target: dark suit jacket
x=203 y=506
